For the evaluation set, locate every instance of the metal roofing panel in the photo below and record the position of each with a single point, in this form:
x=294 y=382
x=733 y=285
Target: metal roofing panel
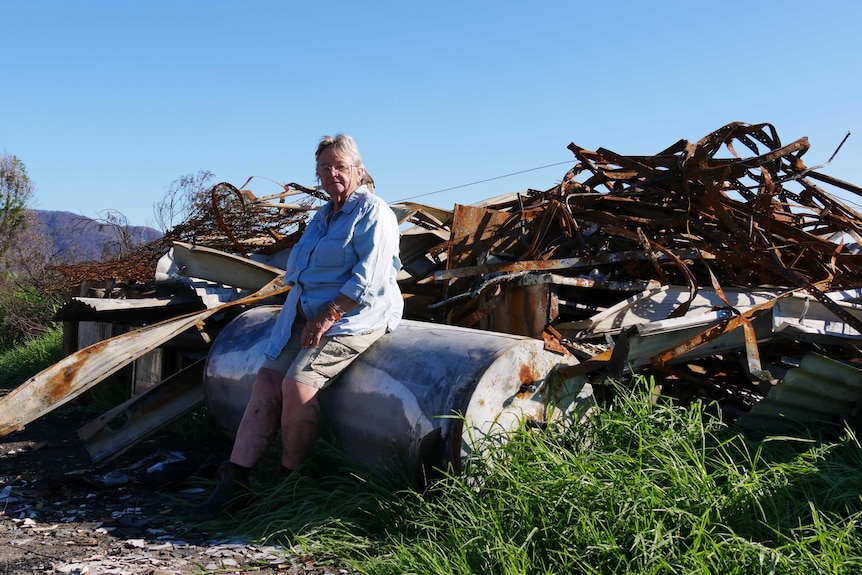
x=821 y=390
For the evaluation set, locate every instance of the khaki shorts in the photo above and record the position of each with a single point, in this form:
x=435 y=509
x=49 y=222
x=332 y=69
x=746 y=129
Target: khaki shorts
x=318 y=366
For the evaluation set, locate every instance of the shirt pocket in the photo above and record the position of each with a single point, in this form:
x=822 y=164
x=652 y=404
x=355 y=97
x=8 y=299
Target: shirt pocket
x=331 y=252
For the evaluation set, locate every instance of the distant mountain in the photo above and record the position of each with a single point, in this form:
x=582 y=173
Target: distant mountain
x=77 y=238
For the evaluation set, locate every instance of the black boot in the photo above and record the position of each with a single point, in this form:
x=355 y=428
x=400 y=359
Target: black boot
x=230 y=491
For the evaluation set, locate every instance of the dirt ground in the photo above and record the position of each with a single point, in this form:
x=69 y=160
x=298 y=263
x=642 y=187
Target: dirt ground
x=59 y=513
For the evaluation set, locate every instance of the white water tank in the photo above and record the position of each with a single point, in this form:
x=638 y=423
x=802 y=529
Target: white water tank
x=422 y=396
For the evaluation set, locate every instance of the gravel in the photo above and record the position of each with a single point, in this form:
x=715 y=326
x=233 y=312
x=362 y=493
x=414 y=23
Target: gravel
x=61 y=514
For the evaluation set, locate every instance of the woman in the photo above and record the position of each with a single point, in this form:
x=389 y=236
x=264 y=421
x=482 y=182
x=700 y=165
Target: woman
x=343 y=277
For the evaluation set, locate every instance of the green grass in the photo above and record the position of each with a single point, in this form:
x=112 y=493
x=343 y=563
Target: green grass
x=26 y=360
x=643 y=487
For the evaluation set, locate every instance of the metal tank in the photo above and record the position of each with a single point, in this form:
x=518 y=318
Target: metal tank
x=421 y=397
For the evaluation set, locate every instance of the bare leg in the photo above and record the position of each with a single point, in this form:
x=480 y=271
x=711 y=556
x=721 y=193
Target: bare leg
x=260 y=420
x=300 y=422
x=257 y=429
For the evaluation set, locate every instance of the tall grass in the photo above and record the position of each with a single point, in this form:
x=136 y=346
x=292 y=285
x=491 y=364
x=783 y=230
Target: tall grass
x=642 y=487
x=30 y=357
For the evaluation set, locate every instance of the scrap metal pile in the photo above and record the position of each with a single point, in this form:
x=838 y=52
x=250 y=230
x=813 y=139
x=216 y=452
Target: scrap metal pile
x=236 y=221
x=659 y=262
x=721 y=265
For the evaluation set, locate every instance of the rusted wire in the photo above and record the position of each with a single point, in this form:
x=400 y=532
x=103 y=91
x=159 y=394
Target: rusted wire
x=226 y=221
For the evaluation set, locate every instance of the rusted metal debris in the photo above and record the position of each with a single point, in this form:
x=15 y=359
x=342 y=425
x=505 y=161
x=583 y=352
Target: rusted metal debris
x=231 y=220
x=682 y=217
x=716 y=270
x=697 y=215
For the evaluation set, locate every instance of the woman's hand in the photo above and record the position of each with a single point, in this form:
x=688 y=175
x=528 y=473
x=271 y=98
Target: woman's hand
x=315 y=328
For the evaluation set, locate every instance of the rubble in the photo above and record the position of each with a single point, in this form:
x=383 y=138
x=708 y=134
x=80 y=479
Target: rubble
x=715 y=270
x=669 y=264
x=60 y=513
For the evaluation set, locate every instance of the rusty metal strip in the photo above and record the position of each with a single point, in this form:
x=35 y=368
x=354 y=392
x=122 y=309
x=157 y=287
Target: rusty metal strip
x=539 y=265
x=240 y=249
x=847 y=186
x=80 y=371
x=752 y=353
x=706 y=336
x=593 y=364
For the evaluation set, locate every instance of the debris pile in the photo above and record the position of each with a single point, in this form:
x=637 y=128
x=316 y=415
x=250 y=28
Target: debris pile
x=235 y=221
x=697 y=237
x=226 y=218
x=721 y=272
x=681 y=217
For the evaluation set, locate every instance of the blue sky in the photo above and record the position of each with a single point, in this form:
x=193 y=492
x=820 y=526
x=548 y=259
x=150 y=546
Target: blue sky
x=107 y=103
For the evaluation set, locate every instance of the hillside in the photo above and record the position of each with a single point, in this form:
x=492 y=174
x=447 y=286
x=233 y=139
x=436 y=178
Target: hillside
x=76 y=238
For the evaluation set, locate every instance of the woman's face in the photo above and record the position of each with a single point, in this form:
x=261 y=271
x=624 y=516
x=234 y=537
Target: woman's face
x=338 y=176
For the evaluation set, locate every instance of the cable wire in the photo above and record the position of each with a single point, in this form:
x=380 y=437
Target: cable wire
x=485 y=180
